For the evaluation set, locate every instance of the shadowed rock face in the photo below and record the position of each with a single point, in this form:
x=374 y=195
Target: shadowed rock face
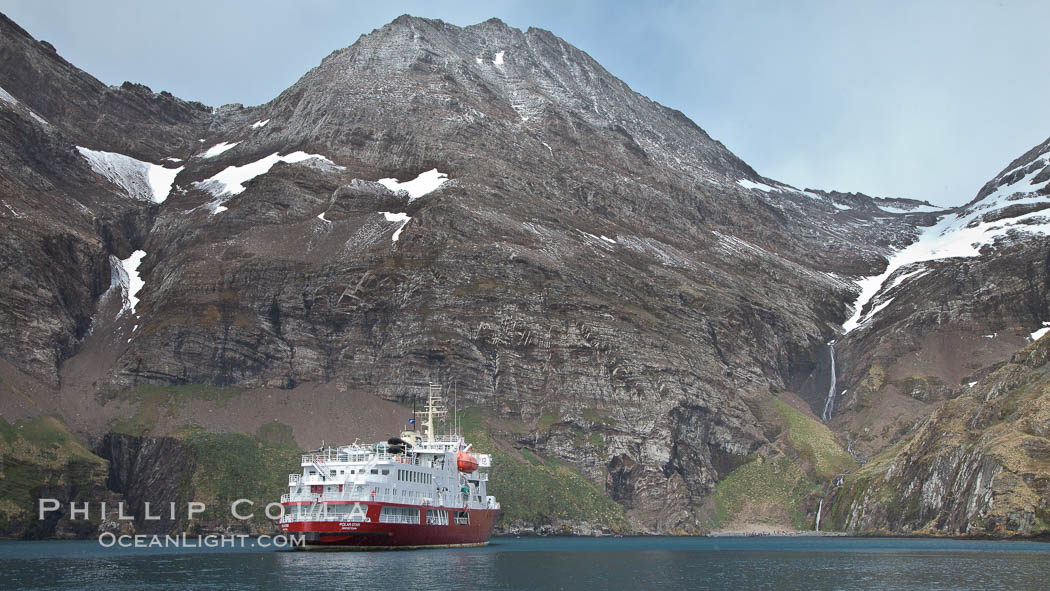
x=145 y=470
x=594 y=257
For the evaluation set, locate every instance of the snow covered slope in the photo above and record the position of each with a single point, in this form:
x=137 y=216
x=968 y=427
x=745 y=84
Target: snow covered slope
x=1009 y=208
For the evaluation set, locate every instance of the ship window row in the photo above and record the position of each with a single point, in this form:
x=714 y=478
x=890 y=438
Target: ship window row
x=391 y=514
x=312 y=472
x=413 y=476
x=331 y=473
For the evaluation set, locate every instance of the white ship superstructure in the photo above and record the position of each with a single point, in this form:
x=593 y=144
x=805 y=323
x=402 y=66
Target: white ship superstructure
x=423 y=479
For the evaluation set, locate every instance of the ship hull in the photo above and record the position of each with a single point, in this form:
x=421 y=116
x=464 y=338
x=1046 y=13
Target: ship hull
x=375 y=535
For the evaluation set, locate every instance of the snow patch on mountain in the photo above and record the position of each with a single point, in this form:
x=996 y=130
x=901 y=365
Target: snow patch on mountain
x=753 y=185
x=899 y=279
x=218 y=149
x=14 y=213
x=916 y=209
x=1042 y=331
x=231 y=180
x=397 y=217
x=7 y=98
x=961 y=235
x=1013 y=193
x=140 y=180
x=259 y=124
x=127 y=276
x=602 y=240
x=498 y=58
x=426 y=182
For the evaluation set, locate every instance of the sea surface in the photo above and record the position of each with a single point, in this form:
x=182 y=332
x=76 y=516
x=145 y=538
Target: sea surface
x=545 y=563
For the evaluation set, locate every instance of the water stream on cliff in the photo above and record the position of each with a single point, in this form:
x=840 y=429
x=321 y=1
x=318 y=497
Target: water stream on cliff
x=819 y=508
x=829 y=405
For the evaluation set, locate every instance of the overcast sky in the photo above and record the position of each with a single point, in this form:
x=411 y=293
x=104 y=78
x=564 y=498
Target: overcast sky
x=920 y=99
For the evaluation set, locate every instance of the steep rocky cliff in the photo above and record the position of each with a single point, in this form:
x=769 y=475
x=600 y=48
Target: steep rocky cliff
x=979 y=466
x=612 y=292
x=940 y=331
x=949 y=308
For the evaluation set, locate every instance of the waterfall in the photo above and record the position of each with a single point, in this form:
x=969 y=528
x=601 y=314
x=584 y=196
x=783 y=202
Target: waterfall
x=829 y=405
x=819 y=507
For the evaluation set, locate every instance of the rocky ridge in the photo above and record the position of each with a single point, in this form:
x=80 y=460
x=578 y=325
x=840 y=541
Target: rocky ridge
x=978 y=466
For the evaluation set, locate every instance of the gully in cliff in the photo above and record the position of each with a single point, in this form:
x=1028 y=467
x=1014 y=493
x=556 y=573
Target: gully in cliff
x=419 y=490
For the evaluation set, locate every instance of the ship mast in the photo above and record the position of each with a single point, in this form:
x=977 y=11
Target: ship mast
x=433 y=408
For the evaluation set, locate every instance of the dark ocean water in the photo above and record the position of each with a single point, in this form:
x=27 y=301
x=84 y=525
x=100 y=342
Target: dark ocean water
x=546 y=563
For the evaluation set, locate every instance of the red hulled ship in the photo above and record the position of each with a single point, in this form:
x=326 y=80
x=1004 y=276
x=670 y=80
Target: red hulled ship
x=419 y=490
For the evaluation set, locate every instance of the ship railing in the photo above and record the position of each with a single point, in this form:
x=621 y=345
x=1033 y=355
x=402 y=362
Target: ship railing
x=386 y=518
x=361 y=497
x=314 y=459
x=290 y=516
x=328 y=455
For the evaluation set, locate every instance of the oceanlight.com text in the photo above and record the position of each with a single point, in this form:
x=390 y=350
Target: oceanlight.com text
x=109 y=540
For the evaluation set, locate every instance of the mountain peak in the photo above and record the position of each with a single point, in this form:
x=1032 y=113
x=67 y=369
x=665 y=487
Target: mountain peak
x=449 y=76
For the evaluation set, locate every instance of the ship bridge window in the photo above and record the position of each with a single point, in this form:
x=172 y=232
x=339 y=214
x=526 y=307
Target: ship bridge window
x=374 y=471
x=385 y=472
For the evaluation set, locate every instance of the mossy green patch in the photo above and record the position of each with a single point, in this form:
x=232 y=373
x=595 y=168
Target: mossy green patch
x=14 y=390
x=596 y=417
x=275 y=434
x=232 y=466
x=546 y=421
x=539 y=490
x=919 y=387
x=814 y=441
x=152 y=401
x=37 y=453
x=44 y=440
x=763 y=490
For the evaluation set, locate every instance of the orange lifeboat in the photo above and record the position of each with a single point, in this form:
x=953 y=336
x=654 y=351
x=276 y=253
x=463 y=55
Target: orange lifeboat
x=466 y=462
